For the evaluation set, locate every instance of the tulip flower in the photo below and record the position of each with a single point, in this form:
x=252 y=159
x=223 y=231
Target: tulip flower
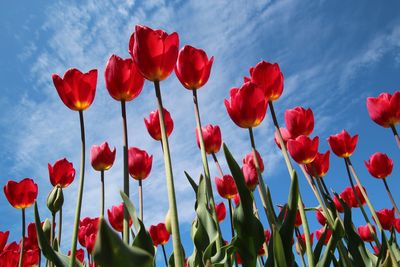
x=76 y=89
x=365 y=233
x=250 y=176
x=247 y=105
x=102 y=157
x=90 y=240
x=320 y=166
x=303 y=149
x=212 y=138
x=299 y=121
x=221 y=211
x=87 y=227
x=159 y=234
x=285 y=136
x=153 y=124
x=193 y=67
x=267 y=235
x=226 y=186
x=269 y=78
x=139 y=163
x=319 y=233
x=123 y=80
x=80 y=254
x=348 y=196
x=62 y=173
x=385 y=109
x=301 y=239
x=338 y=205
x=3 y=239
x=116 y=217
x=10 y=255
x=379 y=165
x=21 y=195
x=386 y=218
x=154 y=51
x=342 y=144
x=397 y=224
x=236 y=199
x=249 y=159
x=320 y=216
x=297 y=221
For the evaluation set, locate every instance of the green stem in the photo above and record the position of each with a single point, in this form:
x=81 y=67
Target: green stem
x=165 y=256
x=221 y=173
x=396 y=135
x=21 y=254
x=310 y=257
x=141 y=200
x=303 y=262
x=231 y=220
x=125 y=232
x=80 y=193
x=102 y=192
x=176 y=239
x=391 y=196
x=59 y=226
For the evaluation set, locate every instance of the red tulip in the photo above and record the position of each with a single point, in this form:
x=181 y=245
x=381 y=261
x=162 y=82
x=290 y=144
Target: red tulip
x=342 y=144
x=101 y=157
x=247 y=105
x=386 y=218
x=31 y=241
x=62 y=173
x=269 y=78
x=385 y=109
x=10 y=255
x=212 y=138
x=397 y=224
x=302 y=239
x=139 y=163
x=302 y=149
x=320 y=216
x=297 y=221
x=338 y=205
x=267 y=235
x=3 y=239
x=365 y=233
x=226 y=186
x=159 y=234
x=21 y=194
x=76 y=89
x=285 y=136
x=249 y=159
x=320 y=166
x=299 y=121
x=250 y=176
x=236 y=199
x=80 y=254
x=319 y=233
x=349 y=198
x=90 y=240
x=220 y=209
x=193 y=67
x=116 y=217
x=379 y=165
x=376 y=250
x=123 y=80
x=154 y=51
x=87 y=227
x=153 y=124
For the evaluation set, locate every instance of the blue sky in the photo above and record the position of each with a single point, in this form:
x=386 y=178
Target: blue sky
x=333 y=55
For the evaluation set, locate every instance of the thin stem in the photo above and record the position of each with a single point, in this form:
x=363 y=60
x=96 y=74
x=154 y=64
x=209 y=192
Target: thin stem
x=59 y=226
x=396 y=135
x=391 y=196
x=141 y=200
x=298 y=235
x=231 y=220
x=21 y=254
x=360 y=204
x=80 y=193
x=125 y=232
x=205 y=166
x=325 y=187
x=102 y=192
x=165 y=256
x=221 y=173
x=176 y=239
x=40 y=258
x=52 y=229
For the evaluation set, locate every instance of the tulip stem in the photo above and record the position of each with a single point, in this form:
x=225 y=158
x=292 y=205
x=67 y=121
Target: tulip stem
x=102 y=192
x=310 y=255
x=125 y=232
x=80 y=193
x=141 y=200
x=221 y=173
x=21 y=254
x=360 y=205
x=396 y=135
x=52 y=229
x=299 y=239
x=231 y=220
x=205 y=166
x=391 y=196
x=176 y=239
x=59 y=226
x=165 y=256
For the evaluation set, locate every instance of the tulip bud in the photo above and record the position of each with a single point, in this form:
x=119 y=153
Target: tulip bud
x=139 y=164
x=386 y=218
x=55 y=200
x=379 y=165
x=299 y=121
x=212 y=138
x=46 y=226
x=168 y=222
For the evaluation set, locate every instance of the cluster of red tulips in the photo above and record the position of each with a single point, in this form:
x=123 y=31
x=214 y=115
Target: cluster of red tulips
x=155 y=55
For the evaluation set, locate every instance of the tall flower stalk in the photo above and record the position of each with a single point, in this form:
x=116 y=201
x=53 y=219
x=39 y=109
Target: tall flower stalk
x=21 y=253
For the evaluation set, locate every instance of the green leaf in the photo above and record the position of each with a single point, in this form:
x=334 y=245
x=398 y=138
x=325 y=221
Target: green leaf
x=337 y=235
x=279 y=250
x=111 y=251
